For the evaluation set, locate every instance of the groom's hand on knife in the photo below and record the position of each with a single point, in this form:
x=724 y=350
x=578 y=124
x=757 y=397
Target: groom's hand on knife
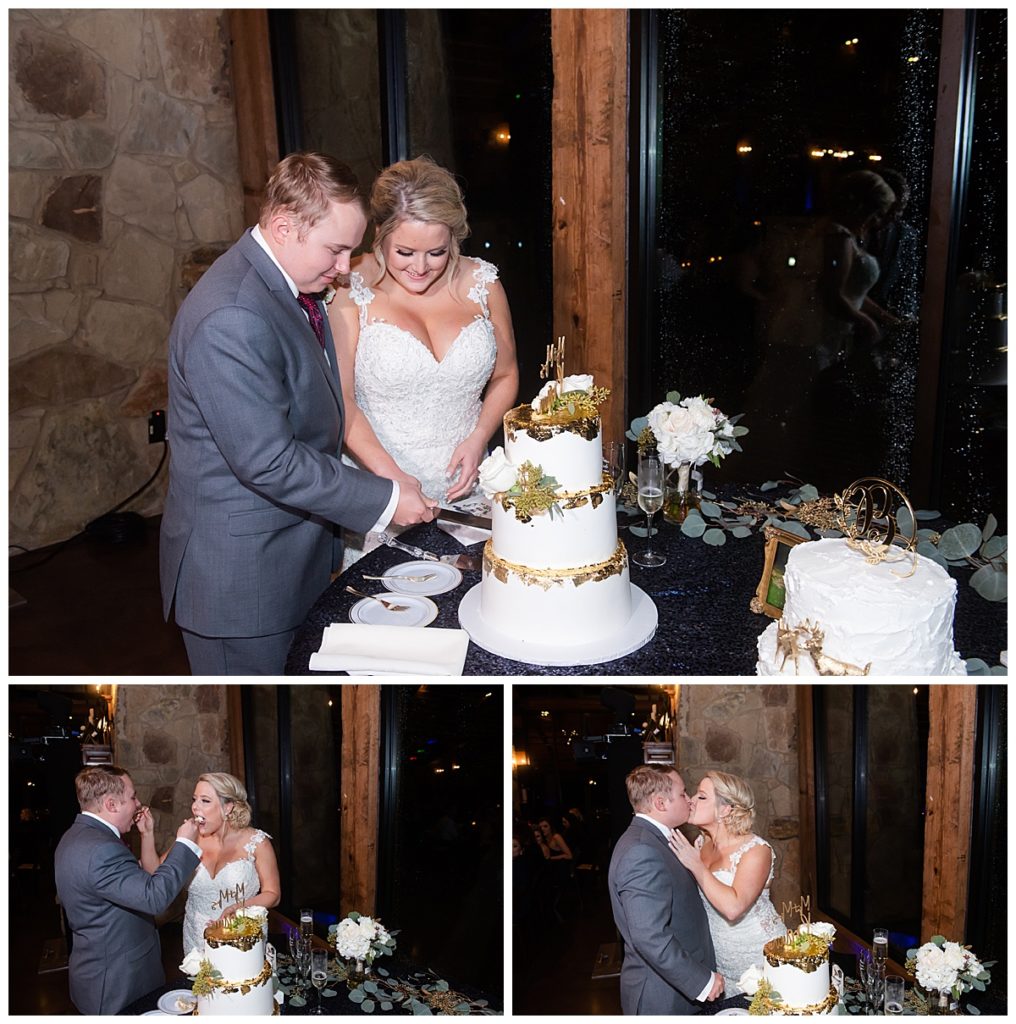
x=413 y=507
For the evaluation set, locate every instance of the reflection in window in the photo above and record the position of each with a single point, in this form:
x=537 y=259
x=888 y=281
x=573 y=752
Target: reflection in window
x=479 y=101
x=440 y=867
x=871 y=752
x=784 y=285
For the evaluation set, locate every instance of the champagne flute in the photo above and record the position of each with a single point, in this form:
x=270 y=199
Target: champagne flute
x=650 y=481
x=318 y=973
x=880 y=946
x=613 y=463
x=306 y=922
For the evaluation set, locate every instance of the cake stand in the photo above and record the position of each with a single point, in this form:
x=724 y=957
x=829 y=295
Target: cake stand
x=630 y=636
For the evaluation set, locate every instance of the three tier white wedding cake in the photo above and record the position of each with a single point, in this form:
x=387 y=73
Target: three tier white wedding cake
x=555 y=586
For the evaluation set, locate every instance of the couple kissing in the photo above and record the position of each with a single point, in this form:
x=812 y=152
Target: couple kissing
x=692 y=917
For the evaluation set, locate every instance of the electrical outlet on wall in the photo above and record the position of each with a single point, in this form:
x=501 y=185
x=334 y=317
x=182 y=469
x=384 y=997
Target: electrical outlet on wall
x=156 y=426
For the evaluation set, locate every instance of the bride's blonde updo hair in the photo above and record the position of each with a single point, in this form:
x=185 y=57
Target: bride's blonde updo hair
x=733 y=792
x=229 y=789
x=420 y=190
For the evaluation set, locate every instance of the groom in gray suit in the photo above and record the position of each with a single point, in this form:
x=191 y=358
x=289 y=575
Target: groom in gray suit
x=109 y=899
x=669 y=963
x=256 y=483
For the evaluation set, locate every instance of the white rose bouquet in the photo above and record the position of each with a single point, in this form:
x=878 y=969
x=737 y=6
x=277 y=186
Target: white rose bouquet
x=689 y=430
x=358 y=937
x=942 y=966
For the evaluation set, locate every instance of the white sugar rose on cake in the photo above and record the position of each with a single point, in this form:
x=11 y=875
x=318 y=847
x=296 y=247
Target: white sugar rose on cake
x=555 y=586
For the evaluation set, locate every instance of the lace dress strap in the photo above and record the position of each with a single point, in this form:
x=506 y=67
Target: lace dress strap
x=735 y=857
x=483 y=274
x=361 y=295
x=255 y=841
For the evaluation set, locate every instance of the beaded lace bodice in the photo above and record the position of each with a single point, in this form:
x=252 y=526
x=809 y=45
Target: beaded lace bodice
x=420 y=407
x=738 y=944
x=207 y=897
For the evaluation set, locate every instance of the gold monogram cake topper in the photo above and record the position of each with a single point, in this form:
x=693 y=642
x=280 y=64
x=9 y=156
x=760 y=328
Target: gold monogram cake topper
x=803 y=910
x=238 y=894
x=867 y=517
x=554 y=364
x=806 y=641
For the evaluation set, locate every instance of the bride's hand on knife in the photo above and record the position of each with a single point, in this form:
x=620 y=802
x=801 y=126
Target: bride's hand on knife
x=685 y=852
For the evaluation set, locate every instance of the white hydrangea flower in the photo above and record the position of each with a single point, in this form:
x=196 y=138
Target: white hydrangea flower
x=679 y=437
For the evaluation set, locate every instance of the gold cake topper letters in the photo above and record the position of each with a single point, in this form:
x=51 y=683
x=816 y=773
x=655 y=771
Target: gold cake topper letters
x=554 y=364
x=238 y=894
x=866 y=516
x=803 y=910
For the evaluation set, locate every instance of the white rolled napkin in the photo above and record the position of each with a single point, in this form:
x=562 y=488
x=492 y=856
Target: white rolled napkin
x=390 y=650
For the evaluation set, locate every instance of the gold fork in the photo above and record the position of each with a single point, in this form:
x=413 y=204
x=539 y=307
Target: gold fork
x=390 y=606
x=412 y=579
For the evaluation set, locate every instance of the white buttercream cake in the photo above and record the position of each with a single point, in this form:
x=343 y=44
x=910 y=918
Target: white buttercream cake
x=238 y=981
x=795 y=977
x=884 y=617
x=557 y=575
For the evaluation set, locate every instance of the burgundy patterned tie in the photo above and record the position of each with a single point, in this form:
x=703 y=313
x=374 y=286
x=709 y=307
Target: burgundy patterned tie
x=312 y=307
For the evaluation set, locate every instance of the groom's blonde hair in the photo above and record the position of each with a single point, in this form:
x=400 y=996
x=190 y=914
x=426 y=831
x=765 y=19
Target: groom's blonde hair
x=645 y=781
x=304 y=185
x=94 y=783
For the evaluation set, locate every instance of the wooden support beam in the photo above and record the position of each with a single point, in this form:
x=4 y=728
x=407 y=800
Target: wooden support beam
x=234 y=719
x=952 y=742
x=361 y=783
x=590 y=176
x=254 y=101
x=806 y=792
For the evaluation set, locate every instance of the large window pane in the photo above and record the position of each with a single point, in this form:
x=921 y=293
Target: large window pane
x=479 y=102
x=763 y=114
x=440 y=865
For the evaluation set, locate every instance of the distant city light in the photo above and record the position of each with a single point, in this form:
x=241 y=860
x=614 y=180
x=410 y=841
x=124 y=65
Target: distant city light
x=744 y=148
x=874 y=156
x=520 y=244
x=852 y=42
x=486 y=245
x=791 y=261
x=913 y=60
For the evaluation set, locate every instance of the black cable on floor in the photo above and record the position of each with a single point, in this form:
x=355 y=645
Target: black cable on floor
x=114 y=527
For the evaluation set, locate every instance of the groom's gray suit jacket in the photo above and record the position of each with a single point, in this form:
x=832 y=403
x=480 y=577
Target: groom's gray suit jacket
x=110 y=902
x=668 y=951
x=255 y=426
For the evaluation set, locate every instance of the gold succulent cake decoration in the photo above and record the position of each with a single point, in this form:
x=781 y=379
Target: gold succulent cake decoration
x=806 y=641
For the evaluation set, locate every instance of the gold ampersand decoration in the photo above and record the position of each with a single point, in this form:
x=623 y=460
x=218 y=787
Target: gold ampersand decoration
x=866 y=515
x=806 y=641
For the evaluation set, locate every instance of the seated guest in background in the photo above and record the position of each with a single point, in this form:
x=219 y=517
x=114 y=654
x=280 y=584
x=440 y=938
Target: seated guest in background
x=256 y=482
x=109 y=899
x=235 y=858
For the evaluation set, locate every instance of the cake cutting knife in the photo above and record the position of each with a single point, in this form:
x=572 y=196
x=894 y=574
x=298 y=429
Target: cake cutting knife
x=451 y=515
x=468 y=562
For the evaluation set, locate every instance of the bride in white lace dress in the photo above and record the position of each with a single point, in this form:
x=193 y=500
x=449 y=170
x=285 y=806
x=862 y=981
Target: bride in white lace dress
x=424 y=339
x=733 y=869
x=238 y=865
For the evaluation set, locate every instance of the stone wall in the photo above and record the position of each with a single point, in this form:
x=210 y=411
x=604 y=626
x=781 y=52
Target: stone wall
x=751 y=731
x=123 y=177
x=166 y=736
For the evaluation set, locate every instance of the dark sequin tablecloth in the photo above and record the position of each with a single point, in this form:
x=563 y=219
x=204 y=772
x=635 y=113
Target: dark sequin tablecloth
x=702 y=594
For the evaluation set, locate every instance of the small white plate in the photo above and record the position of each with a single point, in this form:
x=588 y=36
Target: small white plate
x=167 y=1002
x=733 y=1011
x=420 y=611
x=446 y=577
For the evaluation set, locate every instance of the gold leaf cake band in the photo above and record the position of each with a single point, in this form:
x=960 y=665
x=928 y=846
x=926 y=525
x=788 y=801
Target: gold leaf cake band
x=501 y=569
x=546 y=427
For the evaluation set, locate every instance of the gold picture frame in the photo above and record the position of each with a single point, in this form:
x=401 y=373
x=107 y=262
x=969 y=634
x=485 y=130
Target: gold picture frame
x=769 y=594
